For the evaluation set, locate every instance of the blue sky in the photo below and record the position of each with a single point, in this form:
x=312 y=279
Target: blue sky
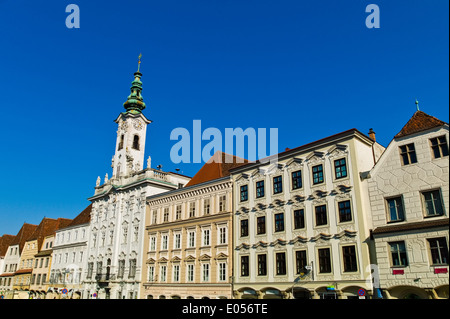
x=309 y=68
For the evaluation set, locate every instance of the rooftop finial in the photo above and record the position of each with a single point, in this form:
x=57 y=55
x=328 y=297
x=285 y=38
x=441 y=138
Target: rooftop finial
x=417 y=105
x=139 y=63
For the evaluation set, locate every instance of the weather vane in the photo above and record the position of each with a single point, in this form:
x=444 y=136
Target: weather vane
x=139 y=63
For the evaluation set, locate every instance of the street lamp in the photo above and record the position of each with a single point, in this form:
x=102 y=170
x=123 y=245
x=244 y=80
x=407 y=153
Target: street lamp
x=308 y=270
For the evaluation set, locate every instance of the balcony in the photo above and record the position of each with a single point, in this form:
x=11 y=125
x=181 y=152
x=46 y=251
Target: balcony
x=105 y=277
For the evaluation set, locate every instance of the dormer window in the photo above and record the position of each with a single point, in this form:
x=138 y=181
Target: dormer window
x=136 y=142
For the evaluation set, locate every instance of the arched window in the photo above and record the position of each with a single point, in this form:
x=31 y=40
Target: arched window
x=136 y=142
x=121 y=142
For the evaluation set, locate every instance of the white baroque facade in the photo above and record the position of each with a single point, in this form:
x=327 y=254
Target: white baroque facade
x=69 y=256
x=113 y=265
x=409 y=196
x=301 y=224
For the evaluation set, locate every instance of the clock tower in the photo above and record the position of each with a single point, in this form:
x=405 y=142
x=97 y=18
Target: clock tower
x=131 y=133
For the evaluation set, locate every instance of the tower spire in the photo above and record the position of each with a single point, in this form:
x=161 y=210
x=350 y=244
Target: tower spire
x=417 y=105
x=139 y=63
x=135 y=102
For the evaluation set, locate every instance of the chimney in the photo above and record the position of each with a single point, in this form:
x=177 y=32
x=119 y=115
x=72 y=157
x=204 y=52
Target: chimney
x=372 y=135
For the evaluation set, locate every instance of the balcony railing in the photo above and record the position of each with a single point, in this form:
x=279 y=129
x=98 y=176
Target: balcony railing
x=105 y=277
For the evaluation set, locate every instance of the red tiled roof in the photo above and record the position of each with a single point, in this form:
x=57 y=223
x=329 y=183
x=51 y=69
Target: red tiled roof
x=24 y=271
x=47 y=227
x=420 y=121
x=83 y=218
x=5 y=241
x=22 y=236
x=218 y=166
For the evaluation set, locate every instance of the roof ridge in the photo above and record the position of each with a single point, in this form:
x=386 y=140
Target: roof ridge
x=420 y=121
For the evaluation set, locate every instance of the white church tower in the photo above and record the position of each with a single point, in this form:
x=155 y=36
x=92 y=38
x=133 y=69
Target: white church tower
x=132 y=128
x=114 y=258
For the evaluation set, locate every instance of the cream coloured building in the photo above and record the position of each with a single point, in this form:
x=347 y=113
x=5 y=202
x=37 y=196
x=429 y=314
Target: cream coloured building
x=301 y=222
x=409 y=195
x=41 y=269
x=188 y=237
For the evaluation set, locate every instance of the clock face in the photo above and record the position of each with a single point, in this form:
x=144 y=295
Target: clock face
x=123 y=126
x=138 y=125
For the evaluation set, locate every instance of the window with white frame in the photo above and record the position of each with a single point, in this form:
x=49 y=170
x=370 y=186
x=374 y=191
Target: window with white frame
x=191 y=239
x=206 y=237
x=222 y=271
x=163 y=273
x=176 y=273
x=395 y=209
x=398 y=254
x=178 y=212
x=206 y=206
x=438 y=251
x=439 y=146
x=192 y=209
x=205 y=272
x=177 y=241
x=151 y=273
x=166 y=214
x=222 y=235
x=152 y=243
x=190 y=272
x=433 y=203
x=154 y=216
x=165 y=241
x=222 y=203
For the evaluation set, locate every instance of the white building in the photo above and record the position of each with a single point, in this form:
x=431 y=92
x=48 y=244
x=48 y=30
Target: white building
x=12 y=259
x=5 y=242
x=410 y=205
x=115 y=244
x=301 y=225
x=68 y=257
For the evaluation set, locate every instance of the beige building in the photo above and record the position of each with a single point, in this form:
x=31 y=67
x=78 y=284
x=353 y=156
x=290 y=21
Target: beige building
x=301 y=221
x=188 y=237
x=23 y=276
x=409 y=195
x=41 y=269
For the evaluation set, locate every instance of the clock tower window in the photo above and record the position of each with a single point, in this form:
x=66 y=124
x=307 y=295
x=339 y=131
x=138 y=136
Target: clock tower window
x=121 y=142
x=136 y=142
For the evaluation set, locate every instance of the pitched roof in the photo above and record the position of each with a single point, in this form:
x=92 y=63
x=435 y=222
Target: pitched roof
x=5 y=241
x=83 y=218
x=218 y=166
x=420 y=121
x=47 y=227
x=22 y=236
x=290 y=151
